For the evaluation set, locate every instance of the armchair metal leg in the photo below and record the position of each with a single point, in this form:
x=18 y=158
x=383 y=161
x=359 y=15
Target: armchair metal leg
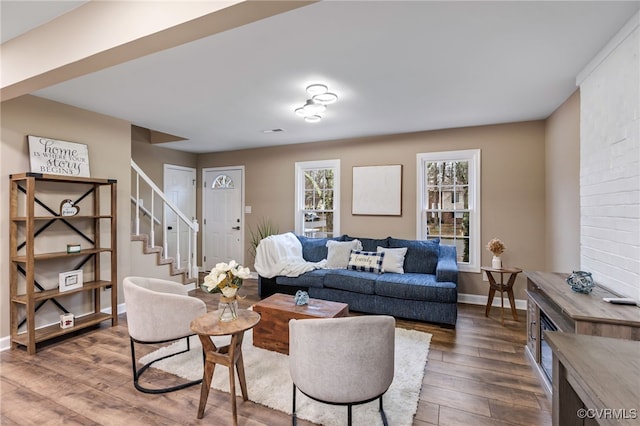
x=294 y=420
x=382 y=414
x=137 y=373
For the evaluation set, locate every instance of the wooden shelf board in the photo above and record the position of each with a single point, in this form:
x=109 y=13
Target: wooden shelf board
x=53 y=293
x=60 y=254
x=47 y=218
x=54 y=330
x=61 y=178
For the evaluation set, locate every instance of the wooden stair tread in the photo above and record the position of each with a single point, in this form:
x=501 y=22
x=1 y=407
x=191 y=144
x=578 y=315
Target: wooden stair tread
x=158 y=250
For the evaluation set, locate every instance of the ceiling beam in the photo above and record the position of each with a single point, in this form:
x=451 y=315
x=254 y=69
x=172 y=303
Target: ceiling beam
x=100 y=34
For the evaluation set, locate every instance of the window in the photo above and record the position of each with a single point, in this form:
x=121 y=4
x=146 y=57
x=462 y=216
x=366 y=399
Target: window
x=317 y=212
x=223 y=182
x=449 y=202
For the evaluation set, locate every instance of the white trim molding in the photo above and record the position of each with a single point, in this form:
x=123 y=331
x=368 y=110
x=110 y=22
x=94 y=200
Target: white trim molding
x=609 y=48
x=476 y=299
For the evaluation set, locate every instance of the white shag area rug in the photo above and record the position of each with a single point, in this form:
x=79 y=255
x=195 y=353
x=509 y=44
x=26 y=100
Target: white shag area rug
x=269 y=382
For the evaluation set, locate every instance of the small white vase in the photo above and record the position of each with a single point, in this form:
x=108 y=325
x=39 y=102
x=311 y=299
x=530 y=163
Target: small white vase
x=496 y=262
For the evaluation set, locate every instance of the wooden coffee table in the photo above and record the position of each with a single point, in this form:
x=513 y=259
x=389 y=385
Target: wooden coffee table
x=272 y=332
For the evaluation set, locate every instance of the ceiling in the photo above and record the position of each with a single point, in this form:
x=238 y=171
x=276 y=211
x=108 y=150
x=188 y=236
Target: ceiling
x=396 y=66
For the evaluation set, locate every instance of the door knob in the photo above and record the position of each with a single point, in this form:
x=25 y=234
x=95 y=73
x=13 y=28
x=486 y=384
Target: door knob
x=237 y=228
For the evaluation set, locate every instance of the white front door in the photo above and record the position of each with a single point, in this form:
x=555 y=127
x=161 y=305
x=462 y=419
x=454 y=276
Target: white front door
x=180 y=189
x=223 y=221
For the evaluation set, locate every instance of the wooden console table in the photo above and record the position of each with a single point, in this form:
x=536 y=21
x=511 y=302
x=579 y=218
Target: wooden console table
x=549 y=296
x=595 y=380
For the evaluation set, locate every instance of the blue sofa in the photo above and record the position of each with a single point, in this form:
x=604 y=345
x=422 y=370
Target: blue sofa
x=426 y=291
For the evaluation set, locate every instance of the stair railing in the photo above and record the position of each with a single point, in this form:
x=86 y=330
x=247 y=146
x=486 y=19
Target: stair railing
x=181 y=221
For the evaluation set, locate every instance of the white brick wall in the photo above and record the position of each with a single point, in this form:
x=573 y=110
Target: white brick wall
x=610 y=164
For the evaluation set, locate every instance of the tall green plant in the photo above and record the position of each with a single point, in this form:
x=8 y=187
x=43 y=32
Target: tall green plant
x=263 y=229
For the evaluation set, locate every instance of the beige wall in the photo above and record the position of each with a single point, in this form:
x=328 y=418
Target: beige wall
x=109 y=141
x=152 y=158
x=513 y=185
x=562 y=188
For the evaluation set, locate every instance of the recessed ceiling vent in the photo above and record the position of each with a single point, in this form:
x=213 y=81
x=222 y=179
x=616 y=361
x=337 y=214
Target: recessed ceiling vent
x=273 y=130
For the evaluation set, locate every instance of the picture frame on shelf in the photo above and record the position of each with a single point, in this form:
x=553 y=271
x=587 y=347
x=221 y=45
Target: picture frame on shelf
x=70 y=280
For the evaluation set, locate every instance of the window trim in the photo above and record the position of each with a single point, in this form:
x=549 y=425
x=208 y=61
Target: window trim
x=300 y=168
x=473 y=157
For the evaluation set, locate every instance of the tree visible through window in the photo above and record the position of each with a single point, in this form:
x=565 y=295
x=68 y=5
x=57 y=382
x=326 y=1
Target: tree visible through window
x=316 y=198
x=448 y=199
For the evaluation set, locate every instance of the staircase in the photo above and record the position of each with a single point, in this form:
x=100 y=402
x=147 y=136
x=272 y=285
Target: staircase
x=148 y=223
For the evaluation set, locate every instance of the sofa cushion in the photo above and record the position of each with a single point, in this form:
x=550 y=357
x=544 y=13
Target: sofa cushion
x=366 y=261
x=416 y=287
x=315 y=249
x=393 y=259
x=339 y=251
x=369 y=244
x=422 y=255
x=313 y=278
x=349 y=280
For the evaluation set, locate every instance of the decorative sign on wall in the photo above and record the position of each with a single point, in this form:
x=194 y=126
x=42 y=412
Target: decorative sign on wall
x=377 y=190
x=51 y=156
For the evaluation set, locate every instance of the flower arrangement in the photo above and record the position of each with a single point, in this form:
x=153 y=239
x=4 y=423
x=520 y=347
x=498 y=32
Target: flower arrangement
x=226 y=278
x=496 y=247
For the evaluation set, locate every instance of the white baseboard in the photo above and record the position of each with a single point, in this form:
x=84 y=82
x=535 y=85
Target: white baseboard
x=476 y=299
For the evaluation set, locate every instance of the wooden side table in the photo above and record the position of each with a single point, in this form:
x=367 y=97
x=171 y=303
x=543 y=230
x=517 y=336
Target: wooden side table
x=501 y=287
x=229 y=355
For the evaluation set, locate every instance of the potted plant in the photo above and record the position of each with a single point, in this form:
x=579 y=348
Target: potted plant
x=264 y=228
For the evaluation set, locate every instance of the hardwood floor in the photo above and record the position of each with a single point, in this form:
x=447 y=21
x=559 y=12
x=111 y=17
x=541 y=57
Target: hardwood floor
x=476 y=375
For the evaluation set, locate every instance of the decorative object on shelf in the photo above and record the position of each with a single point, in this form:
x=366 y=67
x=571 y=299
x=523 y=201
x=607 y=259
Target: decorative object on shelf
x=581 y=282
x=66 y=320
x=68 y=208
x=301 y=298
x=226 y=279
x=74 y=248
x=70 y=280
x=320 y=98
x=496 y=247
x=54 y=157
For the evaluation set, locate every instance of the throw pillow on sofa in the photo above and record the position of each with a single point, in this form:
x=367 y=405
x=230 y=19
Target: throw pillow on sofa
x=393 y=259
x=422 y=255
x=339 y=251
x=366 y=261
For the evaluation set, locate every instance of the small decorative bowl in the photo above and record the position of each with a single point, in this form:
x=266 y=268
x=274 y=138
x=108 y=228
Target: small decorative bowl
x=301 y=298
x=581 y=282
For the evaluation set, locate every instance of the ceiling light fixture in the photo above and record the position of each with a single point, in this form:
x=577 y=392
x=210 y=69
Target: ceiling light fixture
x=320 y=98
x=313 y=119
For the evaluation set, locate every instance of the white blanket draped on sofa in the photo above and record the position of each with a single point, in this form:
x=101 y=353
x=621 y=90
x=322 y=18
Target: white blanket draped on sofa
x=282 y=255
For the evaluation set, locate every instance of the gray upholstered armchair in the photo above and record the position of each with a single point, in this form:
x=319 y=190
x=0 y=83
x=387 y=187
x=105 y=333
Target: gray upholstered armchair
x=342 y=361
x=159 y=311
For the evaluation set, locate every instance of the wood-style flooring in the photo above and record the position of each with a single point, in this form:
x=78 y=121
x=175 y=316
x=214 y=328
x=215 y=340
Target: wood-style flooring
x=476 y=375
